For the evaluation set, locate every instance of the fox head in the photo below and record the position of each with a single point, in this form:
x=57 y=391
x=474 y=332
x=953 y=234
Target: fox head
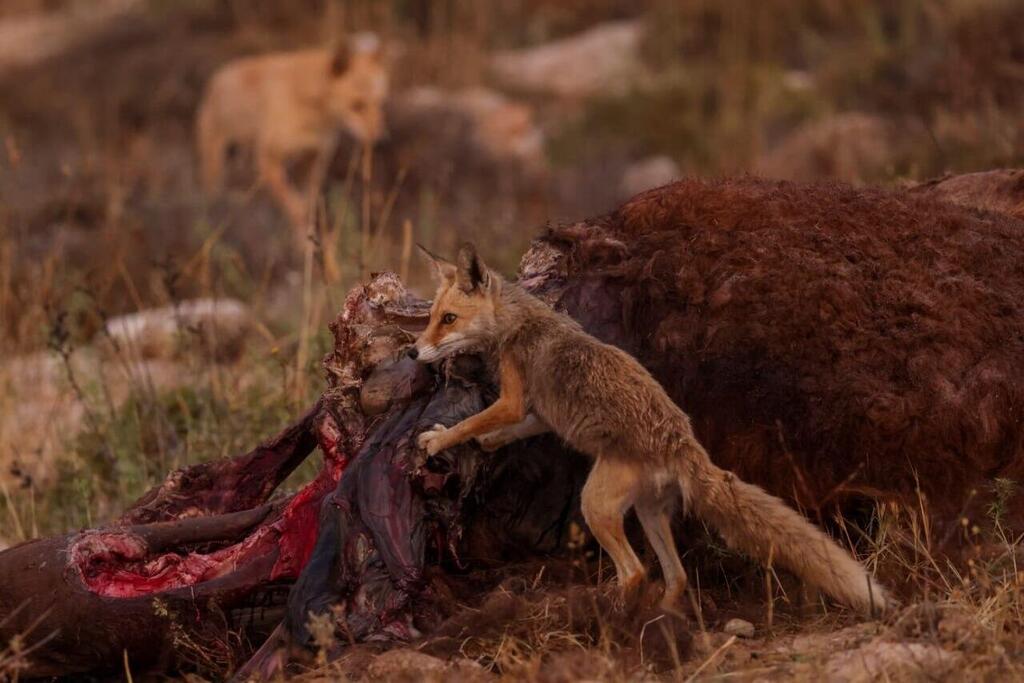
x=462 y=316
x=358 y=86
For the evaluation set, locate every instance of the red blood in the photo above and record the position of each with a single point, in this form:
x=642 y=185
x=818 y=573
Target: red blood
x=117 y=564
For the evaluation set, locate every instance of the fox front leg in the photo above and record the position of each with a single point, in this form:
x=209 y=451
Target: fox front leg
x=509 y=409
x=530 y=426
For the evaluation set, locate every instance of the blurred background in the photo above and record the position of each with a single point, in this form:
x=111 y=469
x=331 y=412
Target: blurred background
x=146 y=324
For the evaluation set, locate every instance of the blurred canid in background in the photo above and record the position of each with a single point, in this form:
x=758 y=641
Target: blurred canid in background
x=288 y=103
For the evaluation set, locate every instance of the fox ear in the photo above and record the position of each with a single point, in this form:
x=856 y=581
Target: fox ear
x=365 y=43
x=473 y=274
x=341 y=54
x=444 y=270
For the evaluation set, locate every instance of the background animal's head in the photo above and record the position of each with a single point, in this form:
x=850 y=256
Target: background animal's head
x=359 y=85
x=462 y=315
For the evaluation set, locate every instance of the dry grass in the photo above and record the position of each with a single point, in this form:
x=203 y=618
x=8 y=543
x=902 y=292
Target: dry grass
x=559 y=622
x=957 y=625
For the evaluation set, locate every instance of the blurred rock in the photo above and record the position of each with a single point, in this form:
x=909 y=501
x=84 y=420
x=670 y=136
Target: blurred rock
x=882 y=661
x=828 y=643
x=647 y=173
x=218 y=328
x=1000 y=190
x=584 y=666
x=740 y=628
x=798 y=80
x=471 y=161
x=38 y=412
x=410 y=665
x=505 y=129
x=854 y=147
x=34 y=38
x=603 y=60
x=41 y=410
x=706 y=642
x=396 y=663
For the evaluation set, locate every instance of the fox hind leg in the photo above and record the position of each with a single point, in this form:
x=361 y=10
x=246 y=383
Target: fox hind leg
x=275 y=178
x=211 y=147
x=654 y=510
x=610 y=491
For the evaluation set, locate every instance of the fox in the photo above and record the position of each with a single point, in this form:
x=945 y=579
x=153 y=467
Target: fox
x=554 y=376
x=289 y=103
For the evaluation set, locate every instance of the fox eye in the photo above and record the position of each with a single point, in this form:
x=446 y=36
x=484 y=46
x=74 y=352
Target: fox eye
x=448 y=318
x=358 y=106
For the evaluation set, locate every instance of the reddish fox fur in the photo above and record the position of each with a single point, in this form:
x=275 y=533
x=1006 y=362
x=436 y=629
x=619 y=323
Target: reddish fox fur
x=602 y=402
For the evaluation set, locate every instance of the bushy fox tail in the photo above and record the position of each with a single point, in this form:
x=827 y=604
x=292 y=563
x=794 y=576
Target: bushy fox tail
x=759 y=524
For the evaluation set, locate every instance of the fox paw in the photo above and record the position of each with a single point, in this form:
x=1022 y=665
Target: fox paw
x=432 y=440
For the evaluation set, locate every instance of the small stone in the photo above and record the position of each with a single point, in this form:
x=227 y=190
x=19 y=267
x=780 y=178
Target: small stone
x=603 y=60
x=899 y=661
x=648 y=173
x=220 y=328
x=740 y=628
x=706 y=642
x=405 y=664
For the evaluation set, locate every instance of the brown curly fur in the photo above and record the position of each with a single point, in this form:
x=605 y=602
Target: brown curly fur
x=999 y=190
x=831 y=344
